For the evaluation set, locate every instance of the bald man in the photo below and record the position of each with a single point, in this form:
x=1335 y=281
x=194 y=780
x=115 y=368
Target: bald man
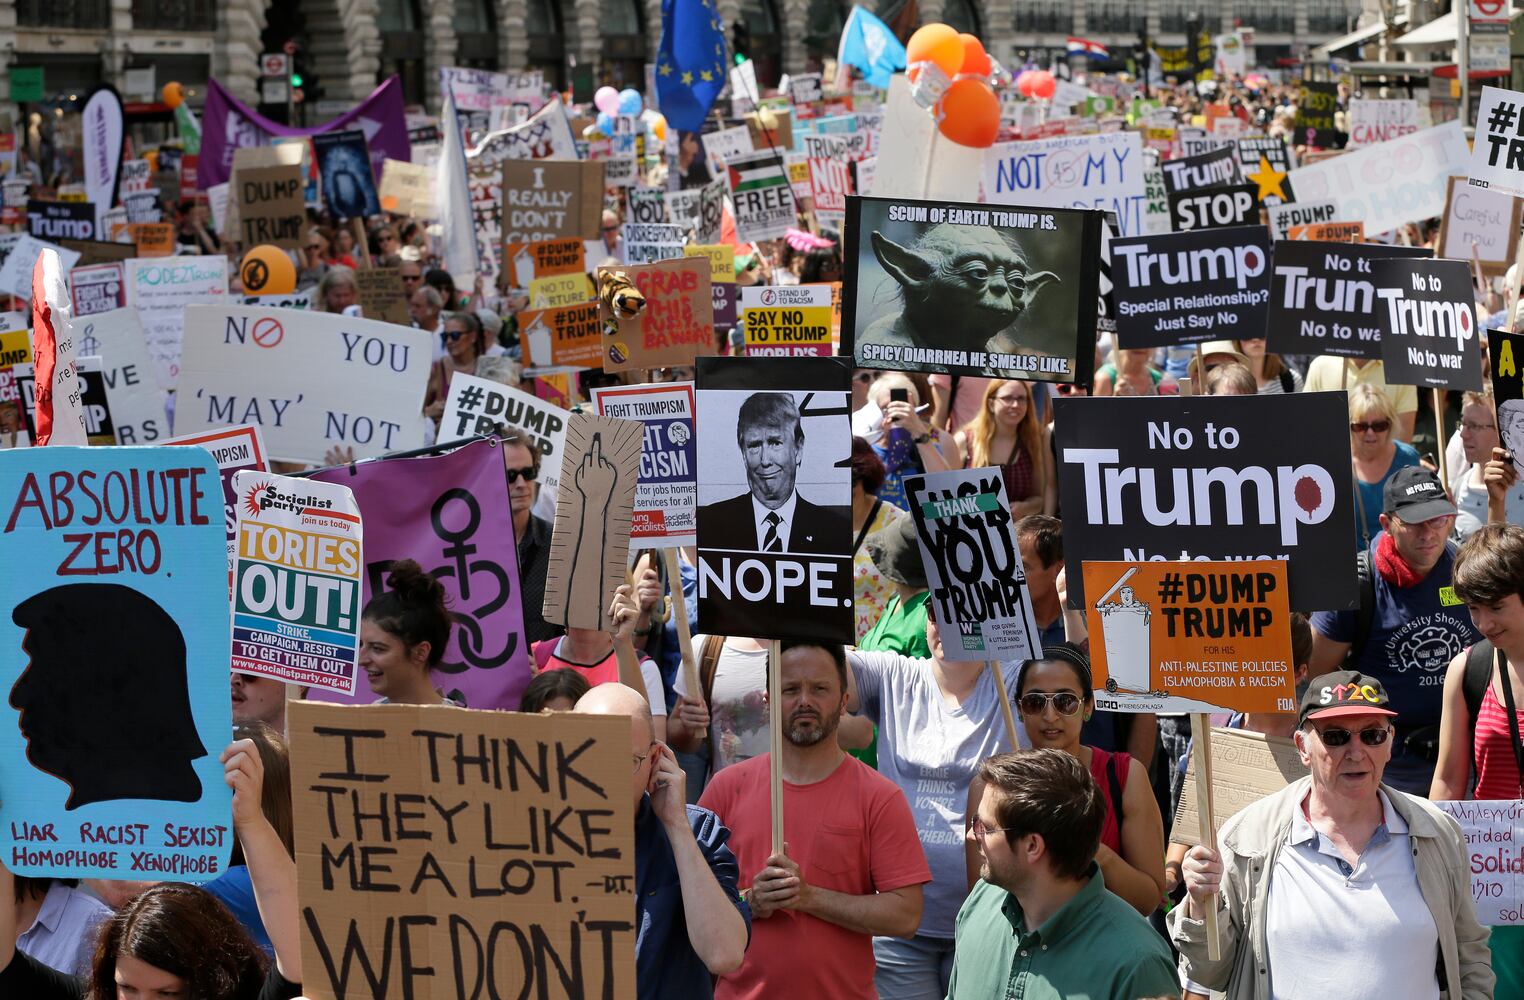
x=692 y=921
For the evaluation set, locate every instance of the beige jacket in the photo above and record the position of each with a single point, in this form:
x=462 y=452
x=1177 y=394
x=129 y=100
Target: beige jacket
x=1251 y=842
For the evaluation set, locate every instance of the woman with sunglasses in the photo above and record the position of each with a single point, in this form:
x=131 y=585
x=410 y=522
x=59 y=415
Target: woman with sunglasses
x=464 y=342
x=1054 y=698
x=1377 y=454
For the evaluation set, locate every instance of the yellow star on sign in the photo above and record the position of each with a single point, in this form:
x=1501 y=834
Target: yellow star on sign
x=1270 y=180
x=664 y=69
x=687 y=79
x=705 y=75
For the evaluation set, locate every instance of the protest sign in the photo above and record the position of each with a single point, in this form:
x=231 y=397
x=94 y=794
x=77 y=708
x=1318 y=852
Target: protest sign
x=787 y=322
x=381 y=295
x=722 y=277
x=296 y=300
x=1389 y=183
x=1427 y=314
x=407 y=189
x=127 y=370
x=160 y=290
x=555 y=291
x=479 y=406
x=667 y=494
x=1040 y=327
x=1196 y=142
x=1214 y=207
x=234 y=450
x=647 y=205
x=830 y=183
x=345 y=169
x=124 y=616
x=152 y=239
x=699 y=209
x=15 y=349
x=1266 y=164
x=485 y=187
x=1494 y=832
x=973 y=565
x=141 y=206
x=1329 y=232
x=473 y=890
x=1481 y=223
x=1283 y=218
x=590 y=544
x=1080 y=171
x=1191 y=173
x=1246 y=767
x=93 y=402
x=544 y=199
x=296 y=582
x=1506 y=357
x=546 y=134
x=1323 y=298
x=776 y=434
x=1497 y=157
x=676 y=325
x=98 y=288
x=1316 y=104
x=805 y=88
x=1374 y=120
x=760 y=195
x=649 y=242
x=1281 y=462
x=272 y=205
x=311 y=380
x=60 y=220
x=16 y=271
x=1186 y=288
x=527 y=261
x=1191 y=637
x=727 y=144
x=567 y=337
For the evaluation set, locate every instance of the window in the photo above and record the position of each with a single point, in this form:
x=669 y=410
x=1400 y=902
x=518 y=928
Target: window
x=174 y=15
x=1114 y=16
x=963 y=15
x=475 y=34
x=621 y=17
x=63 y=14
x=1046 y=17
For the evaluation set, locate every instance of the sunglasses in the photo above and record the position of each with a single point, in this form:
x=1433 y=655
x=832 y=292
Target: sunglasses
x=528 y=475
x=1333 y=737
x=452 y=335
x=1066 y=388
x=314 y=247
x=1361 y=426
x=1035 y=702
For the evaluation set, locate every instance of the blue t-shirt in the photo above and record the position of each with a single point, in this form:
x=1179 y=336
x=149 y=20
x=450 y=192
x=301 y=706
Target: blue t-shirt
x=1368 y=516
x=235 y=890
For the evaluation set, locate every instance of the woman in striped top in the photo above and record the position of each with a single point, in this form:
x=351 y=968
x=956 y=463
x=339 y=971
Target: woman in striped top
x=1269 y=370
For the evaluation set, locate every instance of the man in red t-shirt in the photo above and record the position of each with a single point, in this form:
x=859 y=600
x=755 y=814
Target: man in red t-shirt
x=852 y=865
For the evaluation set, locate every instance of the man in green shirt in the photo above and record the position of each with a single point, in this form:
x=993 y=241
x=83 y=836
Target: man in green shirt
x=1040 y=924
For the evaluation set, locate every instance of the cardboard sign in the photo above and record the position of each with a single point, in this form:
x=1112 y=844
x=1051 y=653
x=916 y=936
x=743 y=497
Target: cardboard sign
x=787 y=322
x=568 y=337
x=761 y=197
x=1330 y=232
x=126 y=370
x=666 y=498
x=311 y=380
x=1246 y=767
x=152 y=239
x=1192 y=173
x=407 y=189
x=546 y=199
x=1190 y=637
x=272 y=206
x=1427 y=314
x=382 y=296
x=1494 y=832
x=60 y=220
x=1219 y=477
x=1214 y=208
x=348 y=178
x=647 y=205
x=1372 y=120
x=465 y=879
x=527 y=261
x=124 y=614
x=649 y=242
x=160 y=290
x=589 y=548
x=1497 y=157
x=1480 y=222
x=1506 y=354
x=1187 y=288
x=1316 y=104
x=296 y=583
x=1389 y=183
x=480 y=406
x=1082 y=171
x=234 y=450
x=97 y=289
x=1323 y=298
x=973 y=565
x=776 y=433
x=677 y=324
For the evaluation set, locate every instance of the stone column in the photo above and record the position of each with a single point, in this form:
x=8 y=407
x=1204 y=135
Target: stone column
x=512 y=34
x=236 y=48
x=438 y=45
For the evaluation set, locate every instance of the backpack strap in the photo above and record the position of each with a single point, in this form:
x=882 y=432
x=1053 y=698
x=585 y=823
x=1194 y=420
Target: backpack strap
x=1288 y=384
x=1506 y=683
x=1365 y=612
x=1114 y=783
x=709 y=664
x=1478 y=675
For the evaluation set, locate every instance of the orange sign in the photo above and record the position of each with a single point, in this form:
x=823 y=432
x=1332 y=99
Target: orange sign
x=1329 y=232
x=1190 y=636
x=567 y=337
x=527 y=261
x=153 y=239
x=677 y=323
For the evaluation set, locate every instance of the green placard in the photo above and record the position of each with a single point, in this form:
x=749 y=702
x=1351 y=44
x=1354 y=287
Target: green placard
x=26 y=83
x=963 y=506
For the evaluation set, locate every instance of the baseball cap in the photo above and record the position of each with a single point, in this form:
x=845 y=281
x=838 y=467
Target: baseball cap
x=1344 y=692
x=1414 y=494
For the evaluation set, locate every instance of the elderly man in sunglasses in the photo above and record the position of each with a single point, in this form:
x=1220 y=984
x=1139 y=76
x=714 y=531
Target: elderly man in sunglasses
x=1339 y=885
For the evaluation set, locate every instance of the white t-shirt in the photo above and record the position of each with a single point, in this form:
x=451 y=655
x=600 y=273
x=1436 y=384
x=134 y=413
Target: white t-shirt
x=738 y=711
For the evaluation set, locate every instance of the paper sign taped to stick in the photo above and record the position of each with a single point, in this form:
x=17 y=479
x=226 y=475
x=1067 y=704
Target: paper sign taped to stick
x=590 y=545
x=1246 y=767
x=123 y=615
x=667 y=496
x=677 y=323
x=1494 y=832
x=1480 y=222
x=470 y=879
x=480 y=406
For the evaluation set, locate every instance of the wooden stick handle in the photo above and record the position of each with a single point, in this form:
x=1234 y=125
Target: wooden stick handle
x=775 y=742
x=1005 y=701
x=680 y=616
x=1201 y=731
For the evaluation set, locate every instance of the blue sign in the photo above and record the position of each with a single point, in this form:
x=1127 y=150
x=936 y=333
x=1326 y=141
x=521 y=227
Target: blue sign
x=666 y=499
x=114 y=706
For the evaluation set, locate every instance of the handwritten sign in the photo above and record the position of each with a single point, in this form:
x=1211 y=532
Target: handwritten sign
x=1494 y=832
x=1245 y=768
x=1082 y=171
x=677 y=324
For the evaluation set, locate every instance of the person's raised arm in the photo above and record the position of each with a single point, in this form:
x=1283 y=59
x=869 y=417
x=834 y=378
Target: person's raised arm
x=1499 y=475
x=271 y=869
x=1452 y=772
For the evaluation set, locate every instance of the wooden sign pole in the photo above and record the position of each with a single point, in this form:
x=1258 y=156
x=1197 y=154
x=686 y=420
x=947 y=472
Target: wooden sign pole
x=775 y=741
x=1439 y=438
x=680 y=616
x=1005 y=702
x=361 y=243
x=1201 y=731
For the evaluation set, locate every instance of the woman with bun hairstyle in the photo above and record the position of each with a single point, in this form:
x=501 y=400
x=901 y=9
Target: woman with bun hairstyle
x=403 y=634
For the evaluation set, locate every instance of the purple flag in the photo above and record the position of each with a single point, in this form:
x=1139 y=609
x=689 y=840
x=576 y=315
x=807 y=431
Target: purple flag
x=451 y=513
x=230 y=124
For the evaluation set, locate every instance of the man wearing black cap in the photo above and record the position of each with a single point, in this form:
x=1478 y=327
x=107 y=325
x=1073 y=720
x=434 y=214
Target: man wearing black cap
x=1339 y=885
x=1408 y=625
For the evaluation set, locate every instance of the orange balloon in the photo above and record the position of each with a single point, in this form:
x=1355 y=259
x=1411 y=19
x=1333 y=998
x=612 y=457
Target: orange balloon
x=1044 y=85
x=976 y=61
x=267 y=270
x=173 y=94
x=936 y=43
x=970 y=114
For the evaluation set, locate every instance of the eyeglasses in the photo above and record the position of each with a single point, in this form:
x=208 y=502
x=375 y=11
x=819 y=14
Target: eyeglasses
x=1012 y=400
x=1476 y=428
x=610 y=229
x=1066 y=388
x=1334 y=737
x=1036 y=702
x=387 y=238
x=527 y=474
x=451 y=335
x=641 y=758
x=981 y=831
x=1361 y=426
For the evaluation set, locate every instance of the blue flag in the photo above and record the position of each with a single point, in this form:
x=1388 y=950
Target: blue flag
x=690 y=65
x=868 y=44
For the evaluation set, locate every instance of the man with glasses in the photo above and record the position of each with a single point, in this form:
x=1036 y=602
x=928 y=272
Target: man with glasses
x=521 y=460
x=1338 y=885
x=1040 y=923
x=691 y=922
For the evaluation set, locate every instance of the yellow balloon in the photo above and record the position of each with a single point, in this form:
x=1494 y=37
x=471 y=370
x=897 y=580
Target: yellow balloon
x=659 y=127
x=267 y=270
x=173 y=94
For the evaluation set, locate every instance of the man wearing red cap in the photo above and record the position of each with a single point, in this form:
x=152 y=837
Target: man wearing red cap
x=1337 y=886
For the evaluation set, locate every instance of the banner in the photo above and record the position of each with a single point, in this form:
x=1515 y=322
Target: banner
x=1077 y=171
x=1480 y=222
x=1040 y=327
x=1427 y=313
x=1217 y=477
x=311 y=380
x=471 y=886
x=676 y=325
x=776 y=438
x=667 y=493
x=1214 y=208
x=160 y=290
x=1497 y=156
x=544 y=199
x=1389 y=183
x=546 y=134
x=569 y=337
x=1187 y=288
x=1191 y=173
x=1372 y=120
x=234 y=450
x=1323 y=298
x=1316 y=105
x=787 y=322
x=759 y=192
x=485 y=185
x=120 y=615
x=480 y=406
x=1494 y=832
x=101 y=126
x=127 y=372
x=60 y=220
x=230 y=124
x=973 y=565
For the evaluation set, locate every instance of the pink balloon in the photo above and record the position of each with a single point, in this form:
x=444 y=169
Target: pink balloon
x=607 y=100
x=1024 y=81
x=1043 y=84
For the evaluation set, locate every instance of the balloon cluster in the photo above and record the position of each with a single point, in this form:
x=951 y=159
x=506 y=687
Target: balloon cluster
x=1036 y=84
x=611 y=103
x=967 y=111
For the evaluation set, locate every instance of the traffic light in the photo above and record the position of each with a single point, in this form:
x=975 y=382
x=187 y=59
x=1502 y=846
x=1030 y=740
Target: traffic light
x=304 y=81
x=740 y=42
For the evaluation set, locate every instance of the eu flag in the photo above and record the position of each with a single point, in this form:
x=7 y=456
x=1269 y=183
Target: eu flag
x=690 y=65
